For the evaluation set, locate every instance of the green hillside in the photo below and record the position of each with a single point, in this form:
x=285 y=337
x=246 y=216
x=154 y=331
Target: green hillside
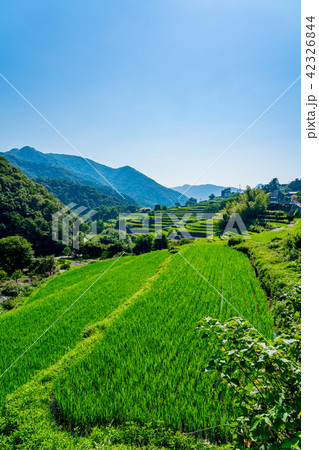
x=88 y=196
x=126 y=180
x=128 y=350
x=26 y=209
x=44 y=307
x=149 y=364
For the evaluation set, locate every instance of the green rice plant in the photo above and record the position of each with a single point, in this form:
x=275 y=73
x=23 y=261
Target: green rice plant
x=149 y=364
x=20 y=329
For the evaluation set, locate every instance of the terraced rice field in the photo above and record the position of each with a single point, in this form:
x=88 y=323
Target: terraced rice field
x=21 y=327
x=148 y=366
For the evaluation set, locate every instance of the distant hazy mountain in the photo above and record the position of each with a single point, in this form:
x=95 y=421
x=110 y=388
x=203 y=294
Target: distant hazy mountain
x=125 y=179
x=203 y=191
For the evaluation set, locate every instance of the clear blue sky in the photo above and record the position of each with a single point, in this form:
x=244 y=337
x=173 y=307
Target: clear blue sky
x=161 y=85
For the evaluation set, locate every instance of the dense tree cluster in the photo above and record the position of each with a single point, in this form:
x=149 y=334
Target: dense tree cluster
x=88 y=196
x=248 y=205
x=26 y=209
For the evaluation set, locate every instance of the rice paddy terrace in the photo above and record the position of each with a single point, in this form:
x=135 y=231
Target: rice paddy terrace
x=127 y=349
x=193 y=220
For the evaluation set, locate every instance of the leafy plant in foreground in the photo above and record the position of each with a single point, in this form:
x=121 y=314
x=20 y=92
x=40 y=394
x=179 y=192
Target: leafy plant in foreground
x=263 y=380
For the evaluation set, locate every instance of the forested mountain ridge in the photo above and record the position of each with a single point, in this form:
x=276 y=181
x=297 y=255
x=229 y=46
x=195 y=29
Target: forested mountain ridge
x=69 y=191
x=126 y=180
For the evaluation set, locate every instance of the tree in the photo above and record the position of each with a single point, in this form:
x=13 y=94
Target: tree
x=294 y=185
x=273 y=185
x=3 y=275
x=17 y=274
x=191 y=201
x=226 y=192
x=164 y=208
x=248 y=205
x=212 y=196
x=177 y=205
x=26 y=210
x=114 y=249
x=44 y=266
x=66 y=251
x=161 y=242
x=92 y=249
x=143 y=244
x=212 y=208
x=15 y=253
x=157 y=207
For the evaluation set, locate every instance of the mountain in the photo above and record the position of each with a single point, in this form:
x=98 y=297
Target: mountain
x=26 y=209
x=203 y=191
x=88 y=196
x=125 y=179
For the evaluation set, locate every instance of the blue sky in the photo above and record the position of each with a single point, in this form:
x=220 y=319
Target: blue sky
x=163 y=86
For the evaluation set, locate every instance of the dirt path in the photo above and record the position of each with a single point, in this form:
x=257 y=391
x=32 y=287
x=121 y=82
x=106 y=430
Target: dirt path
x=286 y=226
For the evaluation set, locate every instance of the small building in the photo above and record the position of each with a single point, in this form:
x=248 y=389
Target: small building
x=274 y=196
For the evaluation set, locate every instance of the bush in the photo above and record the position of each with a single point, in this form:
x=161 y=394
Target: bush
x=66 y=251
x=65 y=266
x=235 y=239
x=161 y=242
x=143 y=244
x=256 y=228
x=264 y=380
x=16 y=275
x=43 y=266
x=183 y=241
x=92 y=249
x=114 y=249
x=11 y=290
x=3 y=275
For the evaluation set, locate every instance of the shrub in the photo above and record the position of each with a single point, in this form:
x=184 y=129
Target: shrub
x=113 y=249
x=17 y=274
x=183 y=241
x=92 y=249
x=65 y=266
x=43 y=266
x=256 y=228
x=143 y=244
x=235 y=239
x=264 y=380
x=3 y=275
x=161 y=242
x=11 y=290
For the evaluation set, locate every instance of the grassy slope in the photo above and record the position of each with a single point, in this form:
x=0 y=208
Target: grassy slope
x=151 y=369
x=167 y=362
x=278 y=274
x=267 y=236
x=20 y=328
